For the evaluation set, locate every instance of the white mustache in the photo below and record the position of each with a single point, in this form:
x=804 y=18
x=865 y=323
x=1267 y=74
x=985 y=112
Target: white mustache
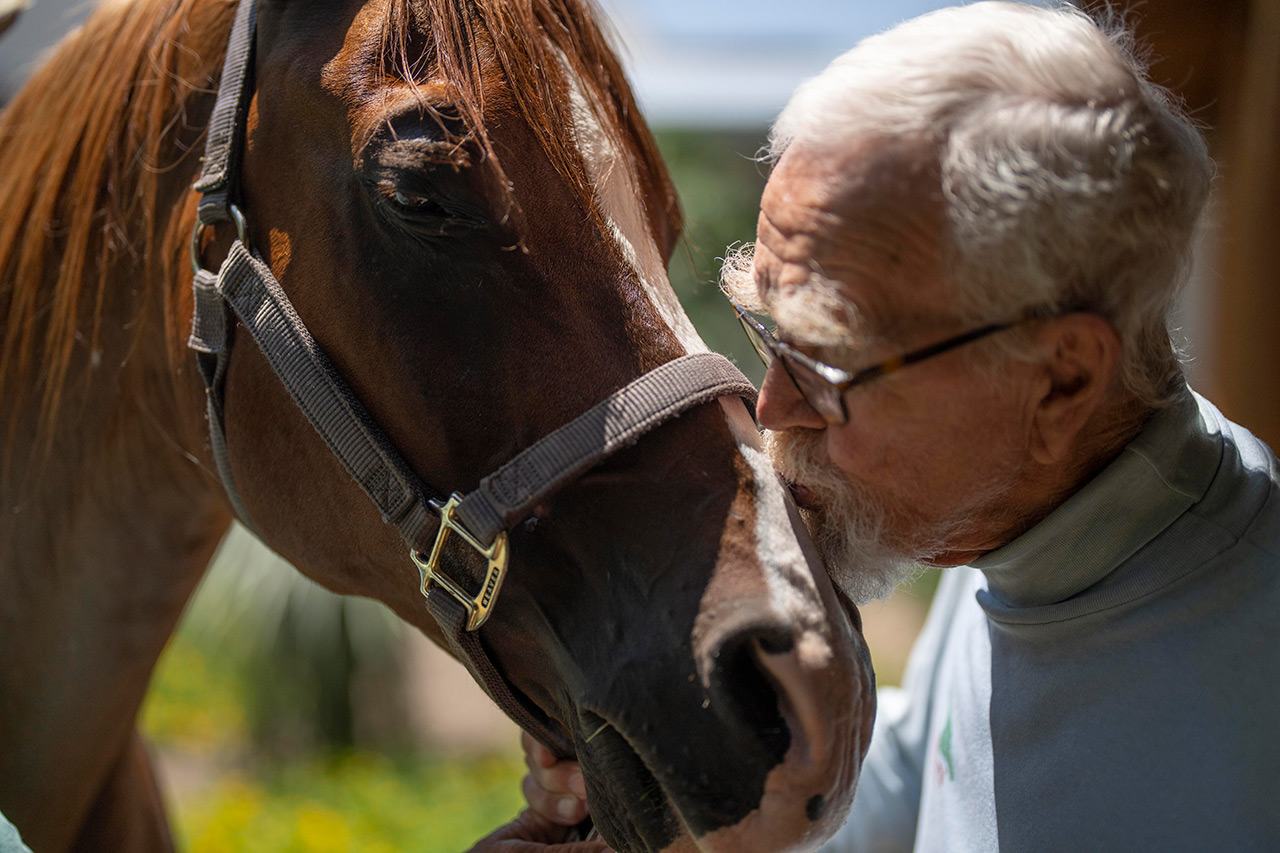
x=847 y=522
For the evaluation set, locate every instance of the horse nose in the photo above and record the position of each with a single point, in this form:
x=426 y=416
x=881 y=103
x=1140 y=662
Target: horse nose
x=774 y=678
x=791 y=690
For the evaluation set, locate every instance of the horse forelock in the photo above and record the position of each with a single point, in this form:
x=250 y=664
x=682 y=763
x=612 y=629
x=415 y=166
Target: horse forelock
x=524 y=42
x=84 y=148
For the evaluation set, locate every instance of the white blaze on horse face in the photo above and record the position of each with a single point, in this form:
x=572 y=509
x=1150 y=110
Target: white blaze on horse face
x=788 y=570
x=622 y=206
x=791 y=573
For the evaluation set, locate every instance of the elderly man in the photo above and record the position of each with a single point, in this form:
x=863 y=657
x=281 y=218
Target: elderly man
x=970 y=245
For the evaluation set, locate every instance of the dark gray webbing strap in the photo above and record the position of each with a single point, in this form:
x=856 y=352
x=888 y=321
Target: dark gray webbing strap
x=212 y=334
x=211 y=328
x=251 y=290
x=223 y=140
x=504 y=496
x=246 y=286
x=253 y=293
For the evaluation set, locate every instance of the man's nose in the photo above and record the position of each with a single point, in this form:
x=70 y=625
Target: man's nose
x=781 y=405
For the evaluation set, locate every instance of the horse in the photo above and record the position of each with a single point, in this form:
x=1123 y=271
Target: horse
x=469 y=223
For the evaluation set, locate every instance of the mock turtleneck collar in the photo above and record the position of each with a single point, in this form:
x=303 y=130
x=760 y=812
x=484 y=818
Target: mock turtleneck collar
x=1164 y=470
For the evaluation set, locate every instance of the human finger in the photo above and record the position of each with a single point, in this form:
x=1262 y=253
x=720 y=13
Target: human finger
x=551 y=774
x=535 y=754
x=566 y=809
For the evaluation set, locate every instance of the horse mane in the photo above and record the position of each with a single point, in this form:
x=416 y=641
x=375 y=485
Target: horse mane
x=83 y=149
x=85 y=145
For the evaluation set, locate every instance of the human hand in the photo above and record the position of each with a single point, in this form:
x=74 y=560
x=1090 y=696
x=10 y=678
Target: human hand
x=553 y=788
x=532 y=833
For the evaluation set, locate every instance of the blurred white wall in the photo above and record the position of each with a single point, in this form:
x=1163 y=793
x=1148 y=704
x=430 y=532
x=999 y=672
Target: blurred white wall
x=735 y=62
x=705 y=62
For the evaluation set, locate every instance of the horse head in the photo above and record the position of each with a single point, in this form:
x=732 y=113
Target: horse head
x=464 y=207
x=459 y=200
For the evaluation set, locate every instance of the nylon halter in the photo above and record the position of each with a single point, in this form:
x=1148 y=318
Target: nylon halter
x=245 y=290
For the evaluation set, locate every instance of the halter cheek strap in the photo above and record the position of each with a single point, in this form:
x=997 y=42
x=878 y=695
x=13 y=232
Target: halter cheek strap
x=245 y=289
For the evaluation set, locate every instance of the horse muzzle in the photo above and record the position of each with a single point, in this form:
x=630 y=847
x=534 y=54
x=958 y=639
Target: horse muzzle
x=761 y=752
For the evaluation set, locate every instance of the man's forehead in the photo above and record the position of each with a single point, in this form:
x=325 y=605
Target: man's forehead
x=848 y=240
x=860 y=177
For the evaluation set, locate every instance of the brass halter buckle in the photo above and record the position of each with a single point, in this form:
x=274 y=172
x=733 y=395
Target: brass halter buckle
x=477 y=606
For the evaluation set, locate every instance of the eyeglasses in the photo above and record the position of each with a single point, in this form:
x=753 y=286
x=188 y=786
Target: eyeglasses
x=822 y=385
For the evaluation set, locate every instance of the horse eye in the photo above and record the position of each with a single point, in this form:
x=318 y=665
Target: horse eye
x=416 y=203
x=425 y=211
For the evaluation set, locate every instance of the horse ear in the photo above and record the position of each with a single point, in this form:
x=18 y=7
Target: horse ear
x=9 y=11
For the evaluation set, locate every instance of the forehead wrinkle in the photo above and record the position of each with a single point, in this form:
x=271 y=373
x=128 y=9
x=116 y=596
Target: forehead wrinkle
x=361 y=48
x=851 y=284
x=809 y=303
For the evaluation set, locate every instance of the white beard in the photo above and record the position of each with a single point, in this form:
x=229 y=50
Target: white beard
x=849 y=526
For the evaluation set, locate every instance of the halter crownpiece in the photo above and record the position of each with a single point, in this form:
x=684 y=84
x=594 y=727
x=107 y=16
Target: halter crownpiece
x=245 y=289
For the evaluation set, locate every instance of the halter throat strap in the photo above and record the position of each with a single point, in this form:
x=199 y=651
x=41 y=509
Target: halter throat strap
x=245 y=289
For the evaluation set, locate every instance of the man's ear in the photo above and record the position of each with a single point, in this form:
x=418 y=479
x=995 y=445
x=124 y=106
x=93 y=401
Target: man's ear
x=1081 y=352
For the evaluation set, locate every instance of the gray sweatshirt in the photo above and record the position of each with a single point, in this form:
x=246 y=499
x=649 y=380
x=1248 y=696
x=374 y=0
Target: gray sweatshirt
x=1108 y=681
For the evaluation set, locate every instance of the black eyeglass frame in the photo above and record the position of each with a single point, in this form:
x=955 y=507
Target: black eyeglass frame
x=767 y=347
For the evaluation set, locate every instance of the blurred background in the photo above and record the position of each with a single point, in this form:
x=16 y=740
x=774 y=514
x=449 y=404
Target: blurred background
x=290 y=719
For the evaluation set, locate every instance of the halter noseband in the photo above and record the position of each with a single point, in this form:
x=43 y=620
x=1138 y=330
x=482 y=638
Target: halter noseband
x=244 y=288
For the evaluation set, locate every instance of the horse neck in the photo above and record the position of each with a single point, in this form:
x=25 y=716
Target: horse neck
x=106 y=432
x=105 y=407
x=106 y=527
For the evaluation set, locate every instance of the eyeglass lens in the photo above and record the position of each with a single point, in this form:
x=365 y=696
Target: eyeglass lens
x=821 y=395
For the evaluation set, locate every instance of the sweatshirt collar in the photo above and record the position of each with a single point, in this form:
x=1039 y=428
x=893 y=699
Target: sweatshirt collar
x=1162 y=472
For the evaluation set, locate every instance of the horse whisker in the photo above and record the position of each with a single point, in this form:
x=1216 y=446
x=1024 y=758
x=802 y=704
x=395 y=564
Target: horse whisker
x=596 y=733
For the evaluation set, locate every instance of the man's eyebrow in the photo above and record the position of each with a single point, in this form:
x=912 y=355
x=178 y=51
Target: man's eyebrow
x=816 y=314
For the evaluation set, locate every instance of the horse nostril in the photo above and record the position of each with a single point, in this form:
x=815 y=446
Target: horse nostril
x=775 y=642
x=744 y=690
x=815 y=807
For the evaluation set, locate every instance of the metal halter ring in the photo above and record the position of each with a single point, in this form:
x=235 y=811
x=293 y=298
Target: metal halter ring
x=478 y=605
x=198 y=231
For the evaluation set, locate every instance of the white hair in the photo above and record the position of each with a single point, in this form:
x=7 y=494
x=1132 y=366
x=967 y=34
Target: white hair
x=1071 y=181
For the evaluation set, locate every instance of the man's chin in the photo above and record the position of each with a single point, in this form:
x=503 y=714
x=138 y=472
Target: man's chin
x=865 y=585
x=865 y=568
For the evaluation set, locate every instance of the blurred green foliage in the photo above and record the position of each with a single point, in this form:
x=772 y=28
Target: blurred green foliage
x=198 y=698
x=720 y=180
x=360 y=802
x=242 y=786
